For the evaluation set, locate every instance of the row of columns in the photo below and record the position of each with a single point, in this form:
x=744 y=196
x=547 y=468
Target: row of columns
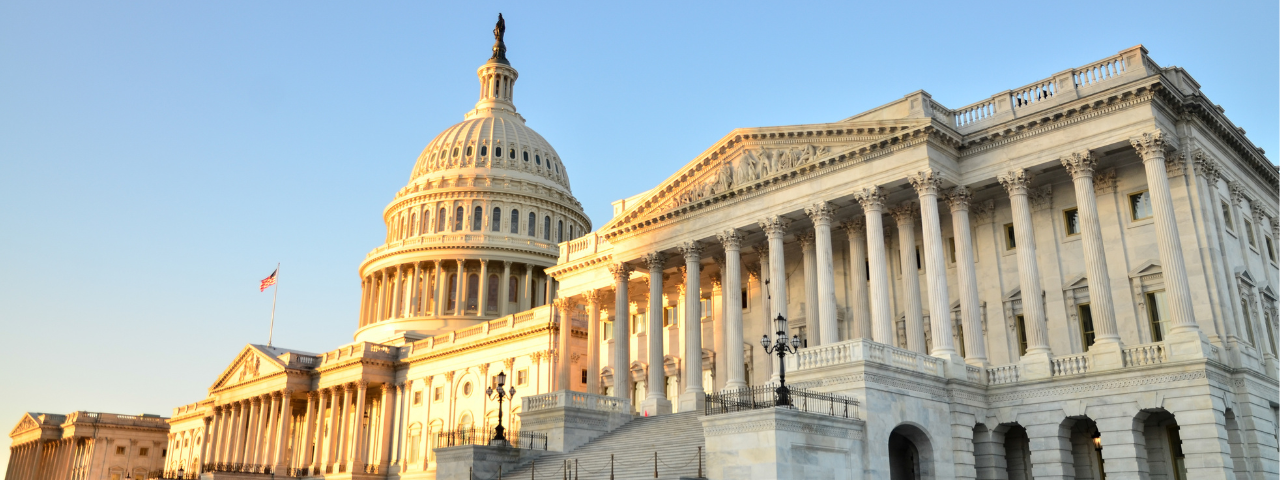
x=41 y=459
x=406 y=290
x=336 y=439
x=252 y=432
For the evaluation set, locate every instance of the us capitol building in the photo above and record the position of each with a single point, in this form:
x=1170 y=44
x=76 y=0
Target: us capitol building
x=1072 y=279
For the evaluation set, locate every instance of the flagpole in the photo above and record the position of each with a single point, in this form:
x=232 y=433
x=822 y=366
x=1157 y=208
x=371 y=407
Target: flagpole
x=275 y=292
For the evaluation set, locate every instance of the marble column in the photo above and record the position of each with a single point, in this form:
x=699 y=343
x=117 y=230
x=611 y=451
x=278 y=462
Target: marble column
x=860 y=321
x=775 y=228
x=821 y=213
x=766 y=304
x=1184 y=331
x=460 y=308
x=385 y=426
x=504 y=290
x=306 y=451
x=693 y=398
x=872 y=201
x=343 y=429
x=593 y=341
x=731 y=300
x=655 y=401
x=621 y=332
x=284 y=430
x=562 y=308
x=975 y=348
x=1036 y=359
x=483 y=294
x=527 y=298
x=810 y=262
x=437 y=285
x=397 y=293
x=323 y=425
x=1106 y=344
x=380 y=280
x=905 y=215
x=261 y=434
x=551 y=287
x=927 y=183
x=358 y=441
x=271 y=435
x=206 y=436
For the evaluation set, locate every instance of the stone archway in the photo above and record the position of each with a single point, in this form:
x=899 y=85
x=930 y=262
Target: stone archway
x=910 y=454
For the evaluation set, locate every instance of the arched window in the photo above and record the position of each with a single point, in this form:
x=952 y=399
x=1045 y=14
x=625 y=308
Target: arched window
x=426 y=222
x=556 y=167
x=413 y=224
x=515 y=221
x=497 y=152
x=560 y=231
x=415 y=442
x=512 y=152
x=546 y=228
x=458 y=216
x=526 y=156
x=491 y=298
x=571 y=237
x=477 y=219
x=496 y=219
x=473 y=291
x=537 y=159
x=513 y=289
x=453 y=291
x=468 y=150
x=533 y=222
x=455 y=151
x=465 y=422
x=440 y=220
x=484 y=150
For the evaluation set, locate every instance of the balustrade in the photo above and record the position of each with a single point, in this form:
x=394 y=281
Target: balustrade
x=587 y=401
x=1069 y=365
x=1002 y=375
x=1147 y=354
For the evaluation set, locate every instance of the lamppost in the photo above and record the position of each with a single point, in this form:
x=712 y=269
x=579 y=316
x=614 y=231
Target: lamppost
x=181 y=473
x=782 y=349
x=499 y=395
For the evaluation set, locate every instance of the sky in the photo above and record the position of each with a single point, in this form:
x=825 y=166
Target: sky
x=157 y=159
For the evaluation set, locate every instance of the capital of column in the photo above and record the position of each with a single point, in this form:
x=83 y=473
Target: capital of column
x=592 y=297
x=731 y=239
x=1205 y=166
x=563 y=304
x=871 y=199
x=386 y=388
x=958 y=199
x=926 y=182
x=820 y=213
x=806 y=239
x=1016 y=182
x=692 y=251
x=362 y=384
x=1237 y=192
x=620 y=271
x=1080 y=164
x=906 y=213
x=857 y=226
x=775 y=226
x=654 y=261
x=313 y=395
x=255 y=400
x=1150 y=145
x=762 y=249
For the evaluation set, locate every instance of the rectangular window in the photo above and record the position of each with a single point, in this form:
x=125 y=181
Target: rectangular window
x=951 y=249
x=744 y=293
x=1086 y=325
x=1271 y=248
x=119 y=450
x=959 y=327
x=1140 y=205
x=1248 y=233
x=608 y=330
x=1226 y=216
x=438 y=394
x=1022 y=335
x=142 y=452
x=1071 y=221
x=1247 y=310
x=584 y=375
x=704 y=308
x=1158 y=313
x=417 y=397
x=669 y=318
x=1010 y=241
x=637 y=321
x=522 y=377
x=918 y=266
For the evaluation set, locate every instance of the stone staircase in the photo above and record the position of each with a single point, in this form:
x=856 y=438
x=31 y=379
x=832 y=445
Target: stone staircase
x=676 y=438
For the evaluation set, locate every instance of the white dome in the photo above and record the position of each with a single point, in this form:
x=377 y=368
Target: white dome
x=491 y=140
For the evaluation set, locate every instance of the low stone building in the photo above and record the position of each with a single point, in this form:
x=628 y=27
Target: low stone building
x=87 y=446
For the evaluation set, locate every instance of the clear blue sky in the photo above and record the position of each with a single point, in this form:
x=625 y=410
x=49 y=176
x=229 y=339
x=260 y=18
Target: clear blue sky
x=158 y=158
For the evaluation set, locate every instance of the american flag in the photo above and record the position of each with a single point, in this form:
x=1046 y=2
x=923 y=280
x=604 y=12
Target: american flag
x=269 y=281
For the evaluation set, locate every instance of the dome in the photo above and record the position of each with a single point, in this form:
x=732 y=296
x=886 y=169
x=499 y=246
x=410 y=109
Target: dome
x=491 y=140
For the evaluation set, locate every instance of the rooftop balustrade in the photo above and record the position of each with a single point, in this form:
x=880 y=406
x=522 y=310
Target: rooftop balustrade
x=498 y=326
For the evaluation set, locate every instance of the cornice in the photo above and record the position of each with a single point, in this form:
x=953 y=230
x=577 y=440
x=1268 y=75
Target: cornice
x=456 y=247
x=585 y=263
x=518 y=334
x=351 y=363
x=470 y=193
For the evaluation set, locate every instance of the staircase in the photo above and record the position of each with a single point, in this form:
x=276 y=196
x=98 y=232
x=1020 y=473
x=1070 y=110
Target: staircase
x=676 y=439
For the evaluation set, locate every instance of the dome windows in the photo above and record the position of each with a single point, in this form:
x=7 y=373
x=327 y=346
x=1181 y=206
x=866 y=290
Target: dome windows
x=513 y=154
x=455 y=152
x=515 y=221
x=468 y=150
x=484 y=151
x=496 y=220
x=526 y=156
x=440 y=220
x=533 y=225
x=477 y=219
x=497 y=152
x=537 y=159
x=546 y=228
x=457 y=218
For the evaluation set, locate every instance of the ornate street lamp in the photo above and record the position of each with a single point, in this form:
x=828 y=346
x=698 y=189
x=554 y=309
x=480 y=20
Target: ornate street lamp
x=782 y=349
x=181 y=473
x=499 y=395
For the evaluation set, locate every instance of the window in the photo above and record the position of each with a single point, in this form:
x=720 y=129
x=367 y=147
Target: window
x=477 y=219
x=1140 y=205
x=455 y=151
x=458 y=216
x=491 y=298
x=1248 y=233
x=1022 y=334
x=526 y=156
x=1226 y=216
x=453 y=291
x=415 y=442
x=484 y=151
x=1247 y=311
x=637 y=323
x=958 y=326
x=918 y=265
x=571 y=237
x=537 y=159
x=669 y=317
x=142 y=452
x=951 y=249
x=1010 y=242
x=744 y=299
x=497 y=152
x=468 y=150
x=512 y=153
x=515 y=221
x=513 y=289
x=1271 y=248
x=584 y=375
x=1158 y=314
x=522 y=377
x=1071 y=221
x=533 y=219
x=440 y=221
x=119 y=450
x=438 y=394
x=473 y=291
x=559 y=231
x=467 y=388
x=426 y=222
x=546 y=228
x=1086 y=325
x=496 y=219
x=417 y=397
x=608 y=330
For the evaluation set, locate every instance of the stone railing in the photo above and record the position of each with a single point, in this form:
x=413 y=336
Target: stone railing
x=866 y=350
x=585 y=246
x=360 y=350
x=1002 y=374
x=525 y=319
x=152 y=421
x=973 y=374
x=1147 y=354
x=518 y=241
x=1069 y=365
x=586 y=401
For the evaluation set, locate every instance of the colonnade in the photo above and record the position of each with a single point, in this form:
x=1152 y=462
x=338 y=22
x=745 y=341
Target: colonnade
x=871 y=296
x=42 y=459
x=335 y=438
x=248 y=435
x=423 y=288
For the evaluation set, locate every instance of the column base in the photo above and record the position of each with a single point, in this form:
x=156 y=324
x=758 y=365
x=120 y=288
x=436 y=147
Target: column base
x=977 y=362
x=1035 y=366
x=1106 y=356
x=1189 y=344
x=655 y=406
x=693 y=401
x=956 y=368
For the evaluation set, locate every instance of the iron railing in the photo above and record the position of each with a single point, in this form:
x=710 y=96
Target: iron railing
x=766 y=396
x=237 y=468
x=472 y=436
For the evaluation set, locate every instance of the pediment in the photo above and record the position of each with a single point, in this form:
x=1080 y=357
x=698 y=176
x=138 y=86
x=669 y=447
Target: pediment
x=251 y=364
x=1149 y=267
x=751 y=156
x=27 y=423
x=1078 y=281
x=1244 y=275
